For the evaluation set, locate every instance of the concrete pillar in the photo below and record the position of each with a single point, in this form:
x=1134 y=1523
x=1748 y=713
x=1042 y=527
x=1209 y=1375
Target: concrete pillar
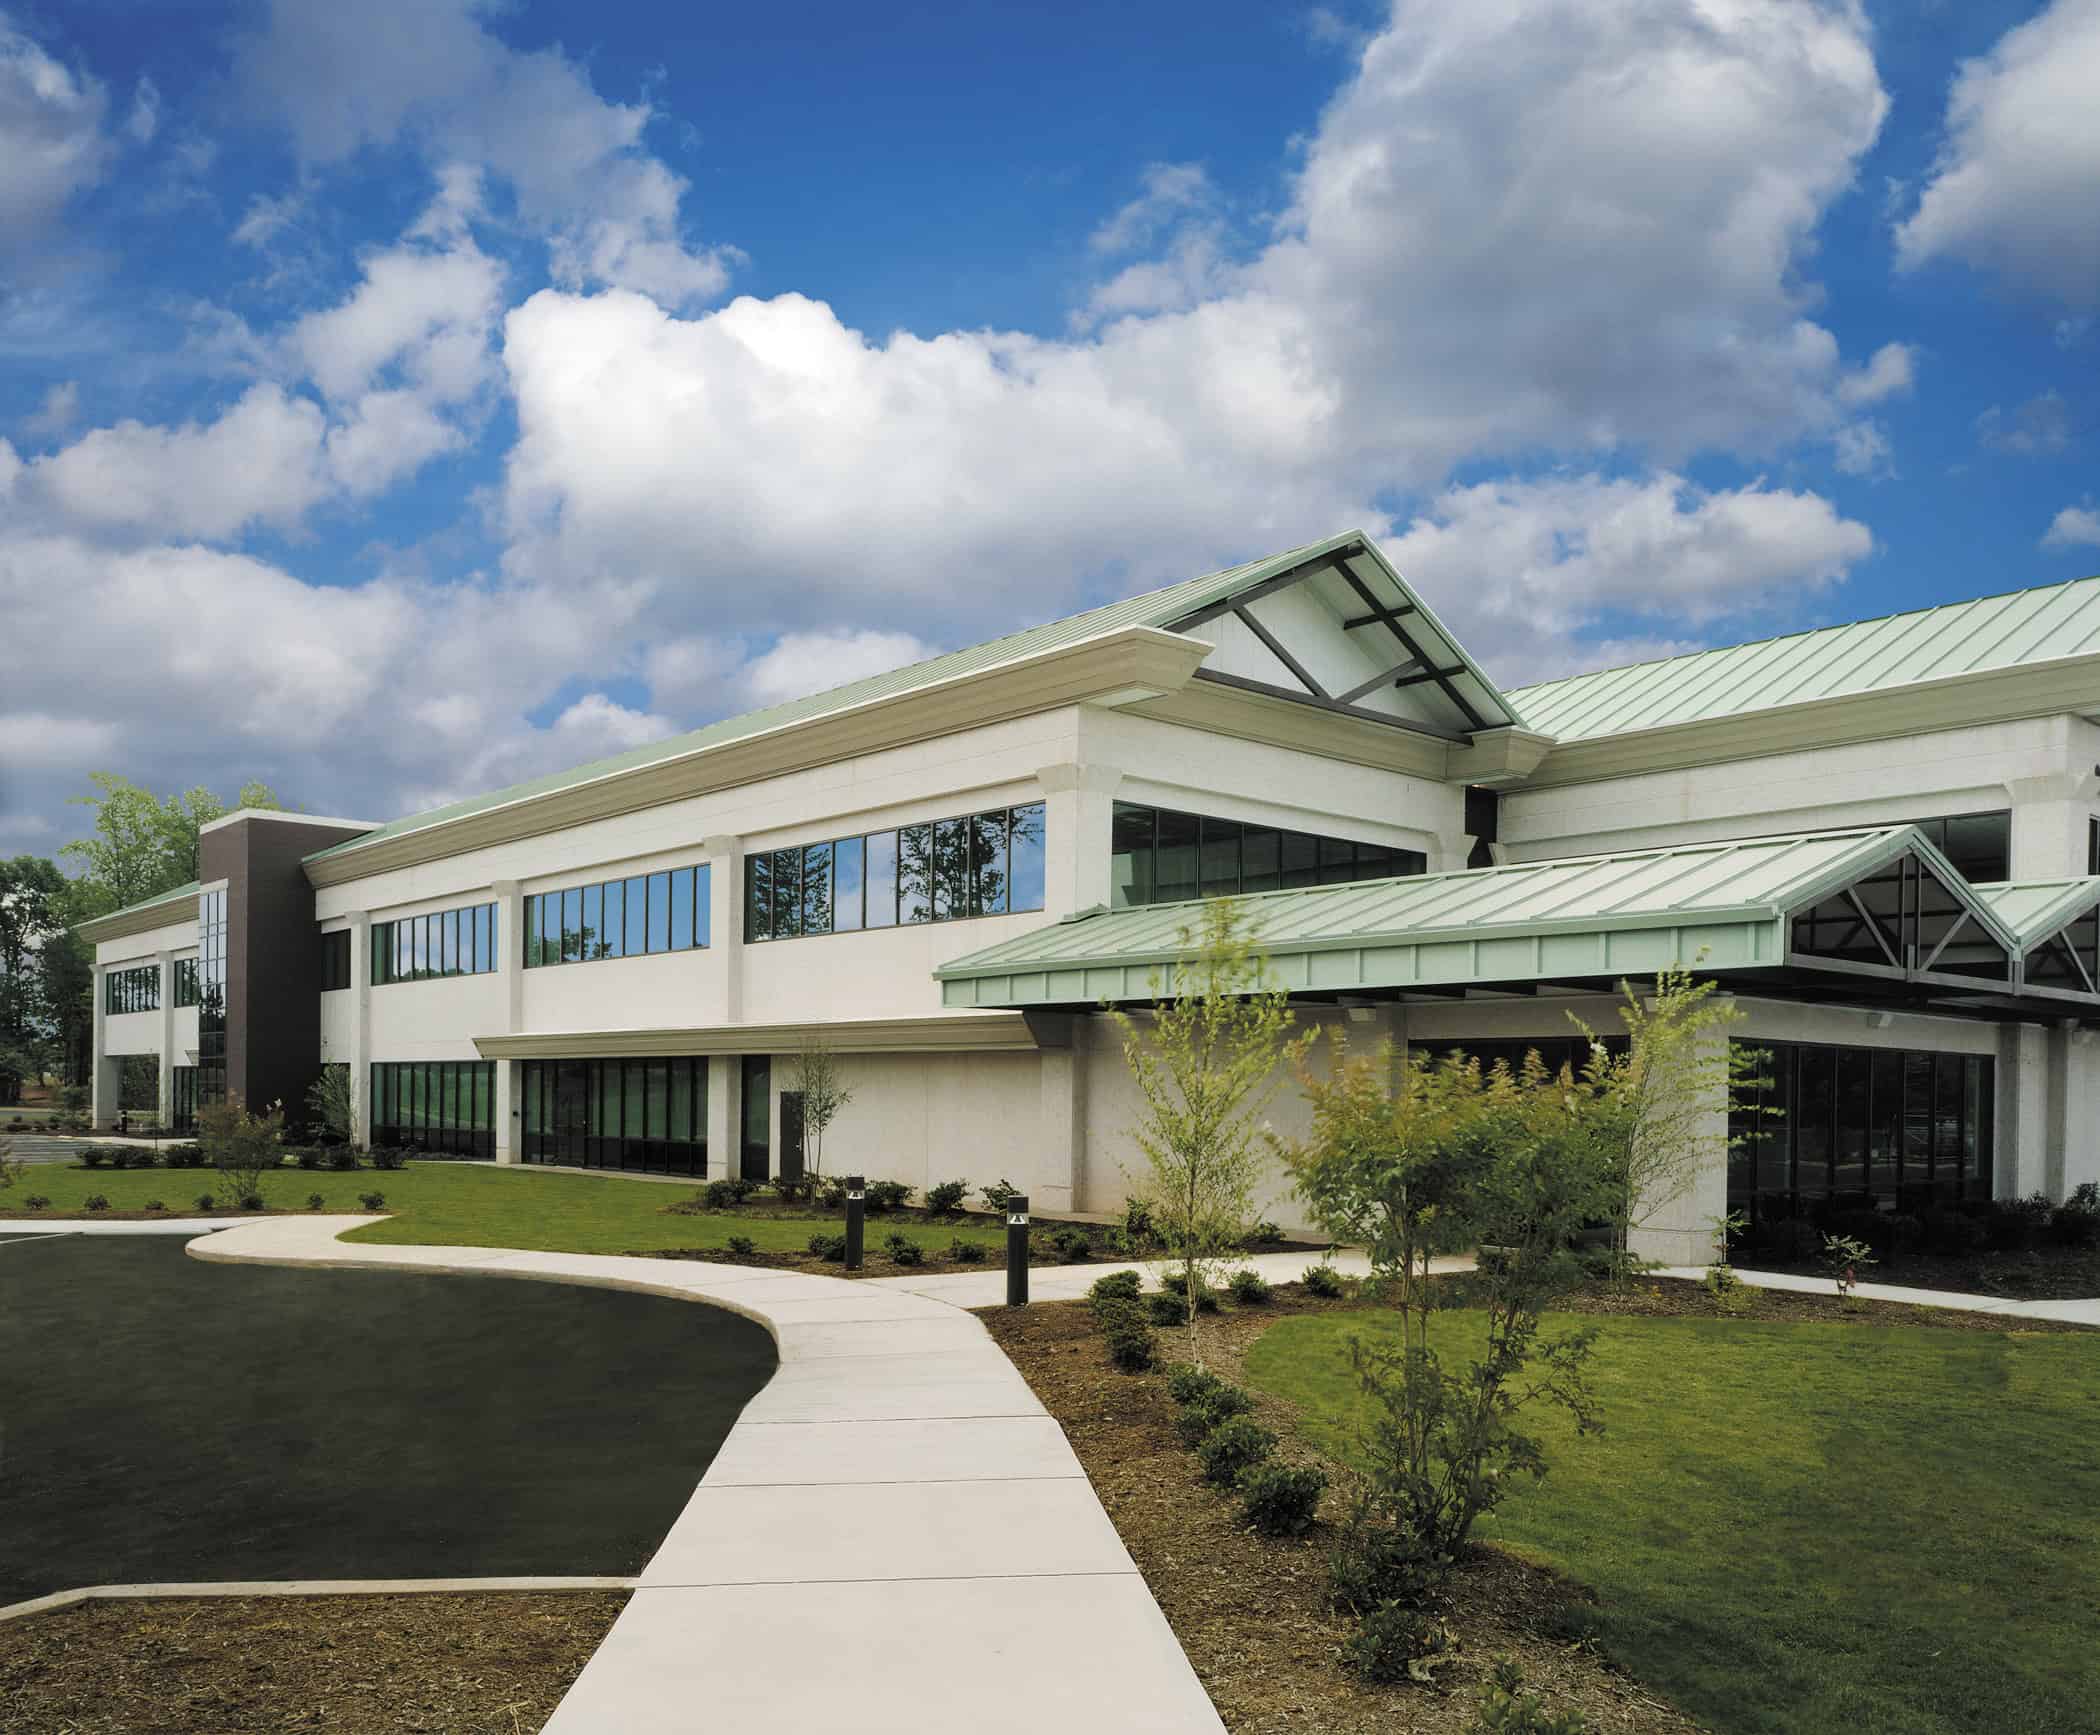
x=2049 y=816
x=509 y=1125
x=725 y=920
x=164 y=1090
x=2020 y=1140
x=360 y=1027
x=724 y=1116
x=1060 y=1180
x=1078 y=803
x=102 y=1090
x=1680 y=1231
x=2056 y=1136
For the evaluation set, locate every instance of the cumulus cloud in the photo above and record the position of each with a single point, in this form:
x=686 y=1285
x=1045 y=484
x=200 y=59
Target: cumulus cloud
x=2013 y=190
x=2039 y=428
x=52 y=142
x=58 y=412
x=1890 y=372
x=1171 y=191
x=2073 y=527
x=1862 y=449
x=343 y=78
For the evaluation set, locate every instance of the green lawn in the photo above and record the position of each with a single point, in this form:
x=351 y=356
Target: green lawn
x=483 y=1205
x=1812 y=1528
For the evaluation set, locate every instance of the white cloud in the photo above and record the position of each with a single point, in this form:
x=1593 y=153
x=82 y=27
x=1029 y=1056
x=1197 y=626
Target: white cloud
x=2015 y=185
x=342 y=78
x=1172 y=190
x=2039 y=428
x=1890 y=372
x=812 y=662
x=144 y=120
x=1862 y=449
x=2073 y=526
x=52 y=143
x=39 y=737
x=59 y=410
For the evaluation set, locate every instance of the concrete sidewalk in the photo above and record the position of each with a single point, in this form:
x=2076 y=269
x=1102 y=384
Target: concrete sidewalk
x=895 y=1534
x=2076 y=1312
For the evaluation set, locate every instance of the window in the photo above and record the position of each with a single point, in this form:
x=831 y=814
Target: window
x=647 y=1115
x=1851 y=1128
x=626 y=918
x=982 y=864
x=1978 y=844
x=335 y=960
x=133 y=990
x=186 y=987
x=424 y=948
x=1158 y=856
x=435 y=1105
x=211 y=997
x=182 y=1099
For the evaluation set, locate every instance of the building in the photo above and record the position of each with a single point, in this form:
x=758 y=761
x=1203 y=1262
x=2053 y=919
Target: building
x=1880 y=836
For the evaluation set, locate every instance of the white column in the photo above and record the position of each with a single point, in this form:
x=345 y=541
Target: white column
x=724 y=1117
x=1060 y=1181
x=1078 y=802
x=360 y=1027
x=2049 y=824
x=2020 y=1141
x=2056 y=1139
x=725 y=919
x=99 y=1084
x=164 y=1094
x=510 y=972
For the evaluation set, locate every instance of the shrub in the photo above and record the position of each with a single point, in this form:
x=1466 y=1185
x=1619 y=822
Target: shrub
x=389 y=1157
x=37 y=1202
x=1249 y=1288
x=946 y=1196
x=183 y=1156
x=904 y=1251
x=1906 y=1232
x=1265 y=1234
x=205 y=1201
x=155 y=1205
x=94 y=1156
x=372 y=1201
x=1138 y=1228
x=1396 y=1643
x=2017 y=1225
x=2076 y=1222
x=1166 y=1310
x=314 y=1202
x=1124 y=1284
x=885 y=1196
x=1186 y=1383
x=1323 y=1281
x=251 y=1201
x=1132 y=1347
x=342 y=1158
x=1375 y=1563
x=800 y=1189
x=1504 y=1708
x=722 y=1195
x=1233 y=1447
x=1953 y=1234
x=1196 y=1423
x=741 y=1245
x=1281 y=1499
x=94 y=1202
x=830 y=1248
x=1791 y=1240
x=309 y=1157
x=966 y=1252
x=1870 y=1229
x=999 y=1195
x=1072 y=1245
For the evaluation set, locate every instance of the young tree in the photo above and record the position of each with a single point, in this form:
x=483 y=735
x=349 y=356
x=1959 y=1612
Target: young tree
x=825 y=1093
x=1666 y=1096
x=1207 y=1063
x=243 y=1147
x=10 y=1168
x=331 y=1103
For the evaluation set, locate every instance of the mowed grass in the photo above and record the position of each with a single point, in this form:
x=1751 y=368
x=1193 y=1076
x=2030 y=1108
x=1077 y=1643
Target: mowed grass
x=1810 y=1528
x=484 y=1205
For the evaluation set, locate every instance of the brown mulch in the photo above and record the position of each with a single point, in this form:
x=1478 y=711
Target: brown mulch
x=1251 y=1612
x=487 y=1663
x=1684 y=1298
x=2045 y=1274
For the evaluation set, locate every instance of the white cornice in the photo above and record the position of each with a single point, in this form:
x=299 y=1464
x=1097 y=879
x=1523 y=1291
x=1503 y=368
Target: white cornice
x=278 y=813
x=954 y=1033
x=1279 y=722
x=121 y=925
x=1129 y=660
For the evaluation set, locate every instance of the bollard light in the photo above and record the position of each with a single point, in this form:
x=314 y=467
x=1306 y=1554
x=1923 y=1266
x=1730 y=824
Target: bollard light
x=856 y=1217
x=1017 y=1251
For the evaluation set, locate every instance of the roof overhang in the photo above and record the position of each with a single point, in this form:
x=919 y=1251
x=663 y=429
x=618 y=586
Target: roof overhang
x=180 y=905
x=963 y=1033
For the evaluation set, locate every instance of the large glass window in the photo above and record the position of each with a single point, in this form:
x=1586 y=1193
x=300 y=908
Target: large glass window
x=424 y=948
x=186 y=988
x=983 y=864
x=133 y=990
x=1832 y=1128
x=335 y=961
x=211 y=996
x=1979 y=844
x=626 y=918
x=182 y=1099
x=645 y=1115
x=1159 y=856
x=445 y=1106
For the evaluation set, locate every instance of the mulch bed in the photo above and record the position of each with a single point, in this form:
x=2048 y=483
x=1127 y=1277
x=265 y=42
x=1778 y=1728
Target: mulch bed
x=2046 y=1274
x=1682 y=1298
x=486 y=1663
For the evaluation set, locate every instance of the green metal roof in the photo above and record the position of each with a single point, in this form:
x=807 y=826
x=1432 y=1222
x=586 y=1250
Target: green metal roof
x=2034 y=909
x=180 y=892
x=1582 y=917
x=1155 y=608
x=1956 y=638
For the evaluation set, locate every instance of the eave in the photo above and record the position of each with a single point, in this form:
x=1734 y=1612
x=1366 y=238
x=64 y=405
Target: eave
x=963 y=1033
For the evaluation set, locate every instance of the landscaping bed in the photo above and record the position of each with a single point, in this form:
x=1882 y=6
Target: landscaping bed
x=2039 y=1274
x=486 y=1663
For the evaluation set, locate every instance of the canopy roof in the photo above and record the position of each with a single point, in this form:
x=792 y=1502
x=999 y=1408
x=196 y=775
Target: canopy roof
x=2056 y=924
x=2046 y=624
x=1863 y=912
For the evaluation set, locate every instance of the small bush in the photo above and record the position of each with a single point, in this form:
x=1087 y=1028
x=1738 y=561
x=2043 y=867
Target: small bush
x=185 y=1156
x=904 y=1251
x=1166 y=1310
x=946 y=1196
x=2017 y=1225
x=1250 y=1288
x=155 y=1205
x=1504 y=1708
x=830 y=1248
x=389 y=1157
x=1323 y=1281
x=742 y=1246
x=126 y=1157
x=37 y=1202
x=1393 y=1643
x=800 y=1189
x=251 y=1201
x=1955 y=1234
x=1791 y=1240
x=94 y=1202
x=310 y=1157
x=1196 y=1423
x=1124 y=1284
x=1072 y=1245
x=722 y=1195
x=205 y=1201
x=314 y=1202
x=2076 y=1222
x=999 y=1195
x=1232 y=1448
x=372 y=1201
x=342 y=1158
x=1281 y=1499
x=1906 y=1233
x=1131 y=1344
x=1374 y=1563
x=885 y=1196
x=1186 y=1383
x=1138 y=1227
x=1265 y=1234
x=966 y=1252
x=94 y=1156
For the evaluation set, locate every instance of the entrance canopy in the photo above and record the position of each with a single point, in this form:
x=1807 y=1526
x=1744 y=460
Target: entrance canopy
x=1876 y=914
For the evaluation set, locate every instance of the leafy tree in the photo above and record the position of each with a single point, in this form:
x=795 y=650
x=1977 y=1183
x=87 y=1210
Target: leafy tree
x=243 y=1147
x=331 y=1102
x=32 y=904
x=141 y=845
x=1207 y=1063
x=67 y=969
x=825 y=1094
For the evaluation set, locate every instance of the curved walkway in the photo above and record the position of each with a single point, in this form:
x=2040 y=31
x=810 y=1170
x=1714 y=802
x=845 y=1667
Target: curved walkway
x=895 y=1534
x=2076 y=1312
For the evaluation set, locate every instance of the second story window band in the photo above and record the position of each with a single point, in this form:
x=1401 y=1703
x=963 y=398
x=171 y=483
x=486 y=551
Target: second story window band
x=642 y=914
x=444 y=943
x=133 y=990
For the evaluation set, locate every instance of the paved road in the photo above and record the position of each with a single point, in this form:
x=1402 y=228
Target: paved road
x=42 y=1148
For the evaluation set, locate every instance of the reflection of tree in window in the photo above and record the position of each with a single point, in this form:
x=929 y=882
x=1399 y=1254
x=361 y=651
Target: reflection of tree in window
x=787 y=893
x=951 y=869
x=758 y=896
x=915 y=874
x=988 y=863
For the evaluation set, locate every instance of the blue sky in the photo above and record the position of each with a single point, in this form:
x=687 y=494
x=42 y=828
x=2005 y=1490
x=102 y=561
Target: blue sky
x=399 y=400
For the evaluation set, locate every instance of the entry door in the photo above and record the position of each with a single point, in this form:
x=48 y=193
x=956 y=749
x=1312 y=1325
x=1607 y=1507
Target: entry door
x=757 y=1151
x=791 y=1135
